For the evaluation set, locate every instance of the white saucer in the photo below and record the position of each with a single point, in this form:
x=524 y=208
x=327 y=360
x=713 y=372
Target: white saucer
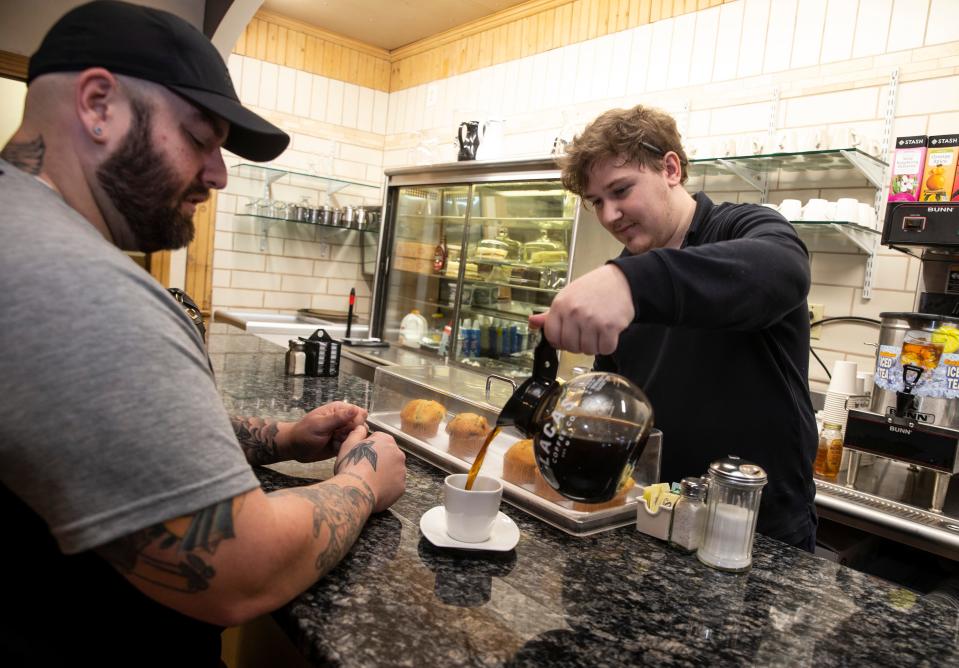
x=504 y=537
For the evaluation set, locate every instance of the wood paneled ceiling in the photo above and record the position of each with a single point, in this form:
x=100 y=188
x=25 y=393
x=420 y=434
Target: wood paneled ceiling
x=388 y=24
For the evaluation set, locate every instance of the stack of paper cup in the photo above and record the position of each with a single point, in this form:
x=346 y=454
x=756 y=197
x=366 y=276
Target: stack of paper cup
x=842 y=385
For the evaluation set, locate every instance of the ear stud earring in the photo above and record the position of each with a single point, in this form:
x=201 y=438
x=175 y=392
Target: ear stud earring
x=97 y=131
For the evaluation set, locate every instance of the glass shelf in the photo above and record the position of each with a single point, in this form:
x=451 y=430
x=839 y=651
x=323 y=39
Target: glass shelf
x=753 y=169
x=475 y=281
x=372 y=230
x=270 y=175
x=853 y=235
x=503 y=313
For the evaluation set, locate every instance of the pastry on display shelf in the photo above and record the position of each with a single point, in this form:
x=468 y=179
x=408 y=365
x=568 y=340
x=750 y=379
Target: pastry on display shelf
x=614 y=502
x=467 y=432
x=421 y=417
x=548 y=256
x=519 y=465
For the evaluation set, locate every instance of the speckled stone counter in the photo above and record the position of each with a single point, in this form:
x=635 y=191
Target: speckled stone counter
x=619 y=598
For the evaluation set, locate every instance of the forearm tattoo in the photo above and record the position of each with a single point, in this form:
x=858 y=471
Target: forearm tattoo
x=362 y=450
x=257 y=437
x=27 y=156
x=173 y=561
x=338 y=517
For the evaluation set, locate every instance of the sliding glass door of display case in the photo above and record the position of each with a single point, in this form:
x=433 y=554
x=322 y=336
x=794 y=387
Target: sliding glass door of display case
x=428 y=230
x=516 y=258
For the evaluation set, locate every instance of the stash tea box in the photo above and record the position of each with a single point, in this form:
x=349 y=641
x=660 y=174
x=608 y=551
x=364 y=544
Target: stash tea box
x=940 y=171
x=907 y=164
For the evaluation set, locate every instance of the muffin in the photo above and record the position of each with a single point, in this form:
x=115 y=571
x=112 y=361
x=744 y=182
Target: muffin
x=614 y=502
x=519 y=466
x=467 y=432
x=421 y=417
x=544 y=489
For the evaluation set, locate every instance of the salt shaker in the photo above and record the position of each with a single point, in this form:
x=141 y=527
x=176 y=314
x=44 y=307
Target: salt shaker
x=732 y=506
x=296 y=358
x=689 y=515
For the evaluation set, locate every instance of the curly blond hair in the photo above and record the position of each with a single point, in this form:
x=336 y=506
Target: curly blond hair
x=639 y=136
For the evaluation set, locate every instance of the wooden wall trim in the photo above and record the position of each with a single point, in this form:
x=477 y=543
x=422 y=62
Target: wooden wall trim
x=502 y=17
x=199 y=256
x=325 y=35
x=13 y=65
x=523 y=30
x=282 y=41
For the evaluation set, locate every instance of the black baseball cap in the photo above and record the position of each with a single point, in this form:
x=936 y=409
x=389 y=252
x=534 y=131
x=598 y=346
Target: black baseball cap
x=161 y=47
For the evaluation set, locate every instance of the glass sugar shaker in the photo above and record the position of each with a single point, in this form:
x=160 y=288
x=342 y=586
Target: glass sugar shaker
x=732 y=506
x=689 y=515
x=296 y=358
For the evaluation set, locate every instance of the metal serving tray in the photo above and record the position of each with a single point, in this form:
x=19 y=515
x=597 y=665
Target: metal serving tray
x=462 y=390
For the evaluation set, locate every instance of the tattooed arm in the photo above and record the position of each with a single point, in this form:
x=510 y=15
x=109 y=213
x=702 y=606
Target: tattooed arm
x=246 y=556
x=316 y=436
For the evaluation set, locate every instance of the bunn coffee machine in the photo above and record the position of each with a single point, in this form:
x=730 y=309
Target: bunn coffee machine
x=913 y=416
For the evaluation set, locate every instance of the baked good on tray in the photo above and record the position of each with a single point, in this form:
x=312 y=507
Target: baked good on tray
x=421 y=417
x=544 y=489
x=614 y=502
x=519 y=466
x=467 y=432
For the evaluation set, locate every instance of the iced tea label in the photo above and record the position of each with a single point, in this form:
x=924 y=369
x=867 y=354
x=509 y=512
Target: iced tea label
x=940 y=372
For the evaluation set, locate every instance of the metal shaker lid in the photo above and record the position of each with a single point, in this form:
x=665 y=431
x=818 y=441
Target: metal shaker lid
x=693 y=487
x=738 y=471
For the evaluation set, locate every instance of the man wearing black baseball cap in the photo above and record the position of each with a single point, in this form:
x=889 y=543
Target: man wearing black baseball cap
x=136 y=527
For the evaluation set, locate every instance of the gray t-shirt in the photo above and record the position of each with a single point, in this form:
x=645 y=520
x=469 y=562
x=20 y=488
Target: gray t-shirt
x=111 y=421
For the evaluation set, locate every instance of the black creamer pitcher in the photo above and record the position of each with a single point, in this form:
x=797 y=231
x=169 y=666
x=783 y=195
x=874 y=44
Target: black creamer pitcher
x=468 y=139
x=587 y=433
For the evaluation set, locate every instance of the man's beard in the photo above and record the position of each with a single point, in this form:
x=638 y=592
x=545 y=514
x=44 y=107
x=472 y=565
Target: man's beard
x=143 y=188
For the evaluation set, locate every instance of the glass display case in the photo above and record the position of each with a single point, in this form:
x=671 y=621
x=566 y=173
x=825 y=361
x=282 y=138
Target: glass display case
x=460 y=390
x=469 y=251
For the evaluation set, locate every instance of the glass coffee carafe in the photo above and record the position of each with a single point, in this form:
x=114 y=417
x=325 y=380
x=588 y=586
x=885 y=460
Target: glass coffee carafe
x=587 y=433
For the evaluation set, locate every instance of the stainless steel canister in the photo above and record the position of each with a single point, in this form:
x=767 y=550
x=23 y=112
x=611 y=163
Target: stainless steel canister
x=931 y=343
x=348 y=215
x=324 y=215
x=360 y=221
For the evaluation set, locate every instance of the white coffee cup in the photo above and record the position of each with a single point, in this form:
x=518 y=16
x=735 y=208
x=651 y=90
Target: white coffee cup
x=470 y=513
x=815 y=209
x=785 y=141
x=811 y=140
x=867 y=215
x=847 y=210
x=843 y=379
x=791 y=209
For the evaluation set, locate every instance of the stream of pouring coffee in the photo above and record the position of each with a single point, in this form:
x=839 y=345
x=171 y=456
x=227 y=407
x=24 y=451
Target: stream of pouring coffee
x=478 y=462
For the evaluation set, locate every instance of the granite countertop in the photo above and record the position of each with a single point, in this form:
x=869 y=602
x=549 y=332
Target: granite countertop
x=617 y=598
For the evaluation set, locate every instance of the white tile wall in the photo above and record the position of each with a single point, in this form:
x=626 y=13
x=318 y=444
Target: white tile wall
x=830 y=59
x=728 y=41
x=779 y=36
x=807 y=37
x=943 y=19
x=872 y=27
x=839 y=28
x=752 y=42
x=704 y=46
